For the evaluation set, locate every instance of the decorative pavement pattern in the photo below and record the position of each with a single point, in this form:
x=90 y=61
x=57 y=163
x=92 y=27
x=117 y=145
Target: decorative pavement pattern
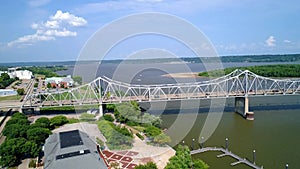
x=124 y=158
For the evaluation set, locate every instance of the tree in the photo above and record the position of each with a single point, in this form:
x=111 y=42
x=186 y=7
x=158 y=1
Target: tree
x=199 y=164
x=15 y=131
x=19 y=116
x=152 y=131
x=38 y=135
x=31 y=148
x=49 y=85
x=21 y=91
x=44 y=121
x=183 y=160
x=11 y=151
x=77 y=79
x=58 y=120
x=149 y=165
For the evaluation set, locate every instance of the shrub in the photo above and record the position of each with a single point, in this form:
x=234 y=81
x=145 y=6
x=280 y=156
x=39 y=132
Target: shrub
x=140 y=136
x=152 y=131
x=59 y=120
x=21 y=91
x=44 y=120
x=108 y=117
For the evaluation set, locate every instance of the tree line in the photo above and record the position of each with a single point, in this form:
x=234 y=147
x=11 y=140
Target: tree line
x=279 y=70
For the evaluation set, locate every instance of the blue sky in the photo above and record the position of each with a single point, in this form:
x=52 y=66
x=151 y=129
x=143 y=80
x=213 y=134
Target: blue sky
x=56 y=30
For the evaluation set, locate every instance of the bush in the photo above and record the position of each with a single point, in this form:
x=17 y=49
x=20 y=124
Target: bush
x=140 y=136
x=21 y=91
x=44 y=120
x=59 y=120
x=115 y=140
x=152 y=131
x=108 y=117
x=149 y=165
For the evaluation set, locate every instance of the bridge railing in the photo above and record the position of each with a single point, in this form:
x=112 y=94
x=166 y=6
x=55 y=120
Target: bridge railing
x=105 y=90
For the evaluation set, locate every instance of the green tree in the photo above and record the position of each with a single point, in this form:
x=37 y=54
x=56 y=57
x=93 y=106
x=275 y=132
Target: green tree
x=77 y=79
x=15 y=131
x=31 y=148
x=19 y=116
x=149 y=165
x=58 y=120
x=199 y=164
x=152 y=131
x=49 y=85
x=11 y=152
x=44 y=121
x=183 y=160
x=38 y=135
x=21 y=91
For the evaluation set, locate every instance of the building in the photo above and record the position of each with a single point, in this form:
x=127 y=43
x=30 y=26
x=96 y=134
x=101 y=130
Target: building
x=7 y=92
x=21 y=74
x=60 y=81
x=72 y=150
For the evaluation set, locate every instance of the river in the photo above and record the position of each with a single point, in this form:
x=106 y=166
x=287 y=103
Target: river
x=274 y=133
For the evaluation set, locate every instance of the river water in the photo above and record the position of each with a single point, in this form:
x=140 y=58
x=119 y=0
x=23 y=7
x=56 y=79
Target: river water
x=274 y=133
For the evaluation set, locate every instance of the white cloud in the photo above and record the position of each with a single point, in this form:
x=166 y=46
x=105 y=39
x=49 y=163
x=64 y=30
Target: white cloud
x=37 y=3
x=271 y=41
x=62 y=33
x=56 y=26
x=287 y=41
x=29 y=39
x=68 y=18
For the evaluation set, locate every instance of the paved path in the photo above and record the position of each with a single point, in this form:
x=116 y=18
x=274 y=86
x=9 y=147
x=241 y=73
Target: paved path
x=227 y=153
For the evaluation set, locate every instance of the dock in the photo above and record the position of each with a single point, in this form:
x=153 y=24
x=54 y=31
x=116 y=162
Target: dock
x=226 y=152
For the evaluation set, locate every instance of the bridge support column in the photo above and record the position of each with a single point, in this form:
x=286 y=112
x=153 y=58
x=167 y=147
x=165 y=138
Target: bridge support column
x=242 y=107
x=100 y=109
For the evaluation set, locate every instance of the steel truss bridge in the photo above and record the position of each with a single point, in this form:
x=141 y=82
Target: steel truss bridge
x=104 y=90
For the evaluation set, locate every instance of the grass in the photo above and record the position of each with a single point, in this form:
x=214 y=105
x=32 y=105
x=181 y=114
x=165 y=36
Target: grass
x=73 y=120
x=15 y=97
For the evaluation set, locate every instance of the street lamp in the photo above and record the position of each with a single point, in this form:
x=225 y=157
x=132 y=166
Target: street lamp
x=202 y=142
x=254 y=156
x=193 y=143
x=287 y=166
x=226 y=140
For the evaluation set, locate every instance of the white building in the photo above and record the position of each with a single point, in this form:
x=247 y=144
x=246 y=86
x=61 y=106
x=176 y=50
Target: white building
x=21 y=74
x=7 y=92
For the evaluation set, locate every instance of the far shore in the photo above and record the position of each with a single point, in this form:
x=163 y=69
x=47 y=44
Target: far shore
x=182 y=75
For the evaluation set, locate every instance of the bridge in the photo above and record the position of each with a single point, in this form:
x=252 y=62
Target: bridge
x=239 y=84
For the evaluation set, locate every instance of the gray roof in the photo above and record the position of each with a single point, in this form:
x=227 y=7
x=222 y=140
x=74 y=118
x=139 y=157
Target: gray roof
x=72 y=152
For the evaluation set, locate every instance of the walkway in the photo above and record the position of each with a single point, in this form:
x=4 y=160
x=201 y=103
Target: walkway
x=227 y=153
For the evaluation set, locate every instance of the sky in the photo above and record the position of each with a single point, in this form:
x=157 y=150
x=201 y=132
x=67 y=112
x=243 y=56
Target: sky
x=57 y=30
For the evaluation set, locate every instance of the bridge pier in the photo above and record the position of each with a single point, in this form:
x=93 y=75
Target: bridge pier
x=100 y=109
x=242 y=107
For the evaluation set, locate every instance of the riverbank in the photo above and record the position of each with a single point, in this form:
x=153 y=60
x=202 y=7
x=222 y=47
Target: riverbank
x=182 y=75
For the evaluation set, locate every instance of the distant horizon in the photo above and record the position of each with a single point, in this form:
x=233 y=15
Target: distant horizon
x=140 y=59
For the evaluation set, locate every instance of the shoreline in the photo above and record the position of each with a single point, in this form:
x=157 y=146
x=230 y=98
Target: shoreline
x=182 y=75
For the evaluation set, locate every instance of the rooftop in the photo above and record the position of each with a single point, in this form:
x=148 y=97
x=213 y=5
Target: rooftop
x=71 y=150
